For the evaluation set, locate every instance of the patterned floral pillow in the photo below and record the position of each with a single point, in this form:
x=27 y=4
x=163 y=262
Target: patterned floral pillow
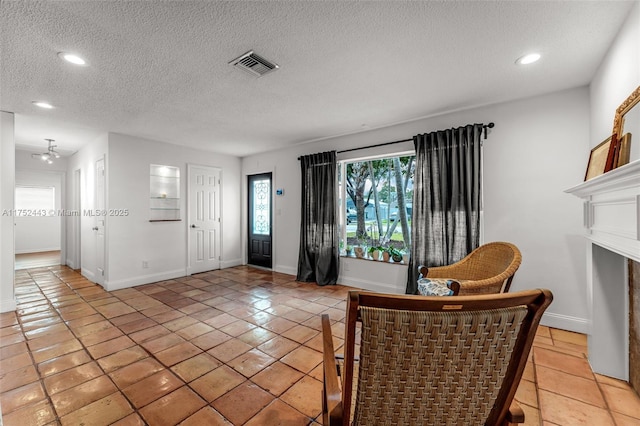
x=435 y=287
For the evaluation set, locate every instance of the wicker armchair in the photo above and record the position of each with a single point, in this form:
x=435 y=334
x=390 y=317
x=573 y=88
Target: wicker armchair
x=488 y=269
x=430 y=360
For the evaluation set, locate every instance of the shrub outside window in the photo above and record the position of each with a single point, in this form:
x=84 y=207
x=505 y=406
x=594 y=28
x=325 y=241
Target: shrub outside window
x=376 y=213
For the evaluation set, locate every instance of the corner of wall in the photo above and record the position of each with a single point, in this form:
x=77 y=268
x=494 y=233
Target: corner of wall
x=7 y=185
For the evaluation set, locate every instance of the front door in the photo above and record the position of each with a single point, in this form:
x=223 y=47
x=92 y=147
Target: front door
x=204 y=219
x=260 y=218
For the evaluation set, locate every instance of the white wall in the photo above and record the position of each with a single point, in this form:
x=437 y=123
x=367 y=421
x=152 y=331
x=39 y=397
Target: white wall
x=40 y=233
x=133 y=239
x=541 y=150
x=7 y=183
x=538 y=148
x=616 y=78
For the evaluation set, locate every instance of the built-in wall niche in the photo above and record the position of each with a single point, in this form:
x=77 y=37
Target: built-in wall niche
x=164 y=193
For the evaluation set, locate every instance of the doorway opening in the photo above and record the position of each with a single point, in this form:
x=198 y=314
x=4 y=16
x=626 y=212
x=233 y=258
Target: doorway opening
x=37 y=259
x=38 y=224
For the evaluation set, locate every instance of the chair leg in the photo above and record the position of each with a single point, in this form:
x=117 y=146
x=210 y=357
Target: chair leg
x=515 y=415
x=325 y=412
x=507 y=284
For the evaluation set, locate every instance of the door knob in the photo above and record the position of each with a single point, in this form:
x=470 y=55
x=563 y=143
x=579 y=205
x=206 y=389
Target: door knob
x=193 y=226
x=95 y=228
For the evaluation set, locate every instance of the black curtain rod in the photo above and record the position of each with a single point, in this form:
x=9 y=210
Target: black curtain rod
x=485 y=126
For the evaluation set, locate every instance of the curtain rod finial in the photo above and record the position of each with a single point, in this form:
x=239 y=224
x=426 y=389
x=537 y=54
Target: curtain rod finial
x=487 y=126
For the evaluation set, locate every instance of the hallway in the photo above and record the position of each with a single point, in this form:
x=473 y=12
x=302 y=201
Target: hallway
x=37 y=260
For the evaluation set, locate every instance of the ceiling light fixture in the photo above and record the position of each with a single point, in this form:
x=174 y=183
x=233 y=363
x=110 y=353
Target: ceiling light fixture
x=42 y=104
x=49 y=155
x=74 y=59
x=528 y=59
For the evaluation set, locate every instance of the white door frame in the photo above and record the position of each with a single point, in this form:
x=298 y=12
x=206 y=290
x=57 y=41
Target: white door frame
x=245 y=214
x=75 y=223
x=100 y=226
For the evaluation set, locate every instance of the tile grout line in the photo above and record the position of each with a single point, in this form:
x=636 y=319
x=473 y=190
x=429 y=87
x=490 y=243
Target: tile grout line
x=151 y=355
x=76 y=337
x=33 y=361
x=84 y=348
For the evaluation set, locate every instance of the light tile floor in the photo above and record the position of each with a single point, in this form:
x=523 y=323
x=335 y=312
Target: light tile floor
x=37 y=260
x=238 y=346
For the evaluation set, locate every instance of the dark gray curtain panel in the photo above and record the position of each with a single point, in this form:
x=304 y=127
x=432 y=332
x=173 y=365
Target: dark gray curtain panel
x=446 y=198
x=319 y=256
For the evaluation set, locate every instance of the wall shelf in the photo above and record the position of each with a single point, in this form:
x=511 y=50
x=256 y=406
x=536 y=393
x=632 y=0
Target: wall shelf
x=164 y=193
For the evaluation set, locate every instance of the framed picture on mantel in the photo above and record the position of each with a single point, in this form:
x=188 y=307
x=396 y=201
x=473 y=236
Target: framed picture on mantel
x=623 y=150
x=598 y=159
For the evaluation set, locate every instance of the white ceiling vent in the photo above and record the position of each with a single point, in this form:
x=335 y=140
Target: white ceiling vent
x=254 y=64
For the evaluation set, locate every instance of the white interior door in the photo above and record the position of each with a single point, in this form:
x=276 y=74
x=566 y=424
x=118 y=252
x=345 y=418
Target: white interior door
x=100 y=221
x=204 y=218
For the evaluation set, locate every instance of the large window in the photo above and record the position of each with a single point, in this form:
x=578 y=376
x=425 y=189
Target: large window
x=35 y=199
x=377 y=207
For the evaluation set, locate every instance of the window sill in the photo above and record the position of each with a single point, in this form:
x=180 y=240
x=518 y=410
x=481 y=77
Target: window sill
x=369 y=259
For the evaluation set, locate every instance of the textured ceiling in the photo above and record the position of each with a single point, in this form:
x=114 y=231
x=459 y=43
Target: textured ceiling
x=160 y=69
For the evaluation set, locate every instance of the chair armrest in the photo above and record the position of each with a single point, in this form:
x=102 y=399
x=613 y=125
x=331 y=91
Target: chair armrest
x=332 y=396
x=515 y=414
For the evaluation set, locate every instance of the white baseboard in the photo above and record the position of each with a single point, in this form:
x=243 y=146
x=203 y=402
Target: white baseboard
x=565 y=322
x=39 y=250
x=144 y=279
x=365 y=284
x=286 y=270
x=230 y=263
x=371 y=285
x=88 y=274
x=7 y=305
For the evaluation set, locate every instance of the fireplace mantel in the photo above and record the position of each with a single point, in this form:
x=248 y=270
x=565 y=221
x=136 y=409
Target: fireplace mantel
x=611 y=217
x=612 y=209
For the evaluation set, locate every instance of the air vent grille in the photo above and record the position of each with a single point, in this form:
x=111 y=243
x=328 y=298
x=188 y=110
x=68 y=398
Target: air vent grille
x=254 y=64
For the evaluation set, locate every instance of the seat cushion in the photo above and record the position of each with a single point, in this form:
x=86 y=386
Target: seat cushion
x=435 y=287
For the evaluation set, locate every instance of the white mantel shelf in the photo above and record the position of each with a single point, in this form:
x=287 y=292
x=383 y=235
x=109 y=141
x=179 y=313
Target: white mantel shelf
x=612 y=227
x=612 y=209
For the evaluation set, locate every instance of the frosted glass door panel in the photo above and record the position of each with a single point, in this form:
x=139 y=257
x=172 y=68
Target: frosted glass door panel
x=261 y=193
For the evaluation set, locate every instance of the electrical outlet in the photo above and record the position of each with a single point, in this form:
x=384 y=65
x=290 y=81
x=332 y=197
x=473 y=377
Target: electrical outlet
x=145 y=264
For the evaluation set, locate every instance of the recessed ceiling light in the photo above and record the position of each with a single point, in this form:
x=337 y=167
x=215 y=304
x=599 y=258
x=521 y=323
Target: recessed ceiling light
x=42 y=104
x=528 y=59
x=74 y=59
